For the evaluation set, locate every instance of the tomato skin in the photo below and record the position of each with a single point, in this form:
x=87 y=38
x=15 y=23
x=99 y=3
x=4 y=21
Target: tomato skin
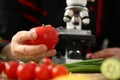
x=42 y=73
x=10 y=69
x=45 y=35
x=26 y=71
x=46 y=60
x=50 y=67
x=33 y=65
x=2 y=66
x=59 y=70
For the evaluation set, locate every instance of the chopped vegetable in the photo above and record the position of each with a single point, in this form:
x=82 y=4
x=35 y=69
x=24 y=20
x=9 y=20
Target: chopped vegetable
x=91 y=65
x=85 y=69
x=110 y=68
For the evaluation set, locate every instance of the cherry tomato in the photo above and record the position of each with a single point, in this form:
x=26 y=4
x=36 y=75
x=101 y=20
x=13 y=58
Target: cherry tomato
x=50 y=67
x=26 y=71
x=46 y=60
x=2 y=66
x=45 y=35
x=59 y=70
x=10 y=69
x=33 y=65
x=42 y=72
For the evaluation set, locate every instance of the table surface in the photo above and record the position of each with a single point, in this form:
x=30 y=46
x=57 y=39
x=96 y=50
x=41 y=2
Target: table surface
x=90 y=76
x=81 y=76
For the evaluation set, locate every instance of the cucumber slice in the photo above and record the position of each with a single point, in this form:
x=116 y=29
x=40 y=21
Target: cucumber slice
x=110 y=68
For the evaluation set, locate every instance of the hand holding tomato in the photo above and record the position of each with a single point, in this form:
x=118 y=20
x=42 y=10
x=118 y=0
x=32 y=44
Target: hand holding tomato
x=26 y=43
x=45 y=35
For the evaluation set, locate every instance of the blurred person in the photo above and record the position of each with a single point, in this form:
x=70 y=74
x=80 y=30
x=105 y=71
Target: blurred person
x=17 y=17
x=17 y=49
x=105 y=53
x=107 y=29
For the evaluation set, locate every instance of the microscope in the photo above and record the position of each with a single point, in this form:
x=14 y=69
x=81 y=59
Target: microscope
x=77 y=40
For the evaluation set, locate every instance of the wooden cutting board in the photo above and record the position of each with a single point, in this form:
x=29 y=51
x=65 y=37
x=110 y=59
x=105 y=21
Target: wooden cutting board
x=83 y=76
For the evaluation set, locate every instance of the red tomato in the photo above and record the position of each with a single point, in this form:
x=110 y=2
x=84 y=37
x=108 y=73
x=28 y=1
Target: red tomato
x=59 y=70
x=10 y=69
x=2 y=66
x=46 y=60
x=33 y=65
x=42 y=72
x=50 y=67
x=26 y=71
x=45 y=35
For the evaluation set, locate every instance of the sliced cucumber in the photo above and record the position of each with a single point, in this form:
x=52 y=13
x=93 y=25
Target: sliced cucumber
x=110 y=68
